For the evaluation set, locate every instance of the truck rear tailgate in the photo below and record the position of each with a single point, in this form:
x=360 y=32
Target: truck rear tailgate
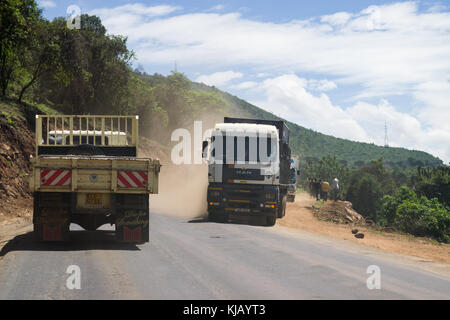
x=94 y=174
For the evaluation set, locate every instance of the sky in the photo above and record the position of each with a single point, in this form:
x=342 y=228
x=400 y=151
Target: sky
x=344 y=68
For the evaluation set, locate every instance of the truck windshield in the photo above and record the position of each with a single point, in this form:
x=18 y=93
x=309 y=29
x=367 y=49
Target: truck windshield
x=243 y=149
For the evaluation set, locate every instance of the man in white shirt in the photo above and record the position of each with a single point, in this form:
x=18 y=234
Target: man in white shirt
x=335 y=188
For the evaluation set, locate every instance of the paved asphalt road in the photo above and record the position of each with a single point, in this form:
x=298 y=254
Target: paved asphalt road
x=205 y=260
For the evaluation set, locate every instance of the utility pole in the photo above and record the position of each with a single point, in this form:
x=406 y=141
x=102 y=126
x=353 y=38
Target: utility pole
x=386 y=141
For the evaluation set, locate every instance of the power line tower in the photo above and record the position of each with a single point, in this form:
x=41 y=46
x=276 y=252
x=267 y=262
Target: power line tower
x=386 y=141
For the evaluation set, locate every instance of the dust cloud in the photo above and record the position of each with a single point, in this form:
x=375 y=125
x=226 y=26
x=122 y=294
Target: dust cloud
x=182 y=188
x=182 y=191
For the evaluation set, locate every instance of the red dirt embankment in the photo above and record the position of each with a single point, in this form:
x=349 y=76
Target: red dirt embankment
x=16 y=147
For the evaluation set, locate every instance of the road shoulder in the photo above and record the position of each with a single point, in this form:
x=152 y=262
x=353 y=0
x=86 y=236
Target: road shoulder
x=299 y=215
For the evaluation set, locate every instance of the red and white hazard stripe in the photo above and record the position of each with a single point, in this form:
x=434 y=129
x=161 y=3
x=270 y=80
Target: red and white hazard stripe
x=131 y=179
x=55 y=177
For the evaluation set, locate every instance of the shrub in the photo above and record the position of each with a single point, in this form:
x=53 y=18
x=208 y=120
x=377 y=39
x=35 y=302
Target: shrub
x=418 y=216
x=366 y=194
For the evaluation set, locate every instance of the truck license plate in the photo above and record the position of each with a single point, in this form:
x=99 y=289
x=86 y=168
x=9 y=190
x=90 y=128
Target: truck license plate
x=94 y=199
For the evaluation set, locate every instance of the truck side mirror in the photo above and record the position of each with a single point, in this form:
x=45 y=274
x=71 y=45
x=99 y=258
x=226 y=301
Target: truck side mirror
x=204 y=147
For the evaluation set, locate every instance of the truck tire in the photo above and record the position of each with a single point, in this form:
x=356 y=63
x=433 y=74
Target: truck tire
x=223 y=218
x=282 y=208
x=218 y=217
x=271 y=220
x=212 y=216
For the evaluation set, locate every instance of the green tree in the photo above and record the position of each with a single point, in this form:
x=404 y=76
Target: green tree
x=390 y=204
x=95 y=69
x=40 y=57
x=18 y=19
x=365 y=193
x=434 y=183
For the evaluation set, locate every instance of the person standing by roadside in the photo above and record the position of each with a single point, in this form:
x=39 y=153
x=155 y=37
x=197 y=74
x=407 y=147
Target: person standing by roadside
x=335 y=188
x=324 y=188
x=316 y=188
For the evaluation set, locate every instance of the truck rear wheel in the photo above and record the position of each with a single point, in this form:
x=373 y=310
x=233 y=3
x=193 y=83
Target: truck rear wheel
x=271 y=220
x=223 y=218
x=51 y=217
x=218 y=217
x=282 y=208
x=212 y=216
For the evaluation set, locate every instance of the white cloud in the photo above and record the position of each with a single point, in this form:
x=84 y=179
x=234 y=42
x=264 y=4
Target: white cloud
x=384 y=50
x=47 y=4
x=404 y=129
x=244 y=85
x=218 y=7
x=435 y=104
x=136 y=9
x=321 y=85
x=219 y=78
x=337 y=19
x=287 y=96
x=437 y=8
x=126 y=18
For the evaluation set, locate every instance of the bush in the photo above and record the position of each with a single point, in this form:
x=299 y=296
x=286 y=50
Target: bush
x=418 y=216
x=390 y=204
x=366 y=194
x=434 y=183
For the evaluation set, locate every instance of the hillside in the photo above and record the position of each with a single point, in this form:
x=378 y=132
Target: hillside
x=16 y=148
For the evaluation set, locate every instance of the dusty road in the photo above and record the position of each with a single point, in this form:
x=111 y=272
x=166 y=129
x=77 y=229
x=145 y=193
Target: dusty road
x=204 y=260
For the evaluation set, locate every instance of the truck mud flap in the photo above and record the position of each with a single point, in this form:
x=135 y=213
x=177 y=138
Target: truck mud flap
x=132 y=226
x=132 y=219
x=51 y=232
x=51 y=217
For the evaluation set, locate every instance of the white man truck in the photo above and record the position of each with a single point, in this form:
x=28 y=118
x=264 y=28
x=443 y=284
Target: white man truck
x=248 y=169
x=86 y=171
